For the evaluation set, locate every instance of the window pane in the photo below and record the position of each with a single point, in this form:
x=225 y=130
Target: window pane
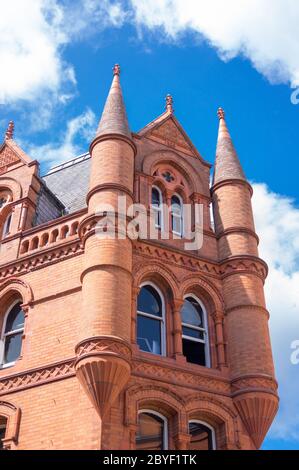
x=150 y=432
x=192 y=313
x=149 y=301
x=155 y=197
x=176 y=205
x=12 y=348
x=149 y=334
x=157 y=215
x=201 y=437
x=193 y=333
x=194 y=352
x=3 y=423
x=176 y=223
x=15 y=319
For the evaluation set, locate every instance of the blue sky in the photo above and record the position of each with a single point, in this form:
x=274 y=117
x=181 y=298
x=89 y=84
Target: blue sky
x=246 y=65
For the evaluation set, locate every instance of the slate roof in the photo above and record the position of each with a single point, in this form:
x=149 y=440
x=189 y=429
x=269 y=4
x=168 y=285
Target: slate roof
x=69 y=182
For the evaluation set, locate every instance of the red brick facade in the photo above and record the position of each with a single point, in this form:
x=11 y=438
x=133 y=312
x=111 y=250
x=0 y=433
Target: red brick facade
x=81 y=378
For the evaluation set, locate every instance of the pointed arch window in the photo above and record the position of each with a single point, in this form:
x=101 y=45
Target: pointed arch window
x=152 y=433
x=195 y=332
x=202 y=436
x=150 y=320
x=177 y=215
x=12 y=333
x=157 y=206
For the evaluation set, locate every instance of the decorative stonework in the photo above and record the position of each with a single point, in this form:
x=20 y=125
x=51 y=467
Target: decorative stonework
x=169 y=132
x=246 y=384
x=102 y=344
x=7 y=157
x=103 y=368
x=40 y=260
x=39 y=376
x=180 y=377
x=176 y=258
x=13 y=415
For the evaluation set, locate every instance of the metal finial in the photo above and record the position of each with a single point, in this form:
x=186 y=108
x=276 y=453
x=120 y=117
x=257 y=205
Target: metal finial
x=221 y=113
x=169 y=103
x=116 y=69
x=10 y=130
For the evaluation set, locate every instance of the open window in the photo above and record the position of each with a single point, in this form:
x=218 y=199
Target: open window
x=195 y=332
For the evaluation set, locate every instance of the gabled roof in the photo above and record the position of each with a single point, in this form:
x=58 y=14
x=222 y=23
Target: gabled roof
x=11 y=154
x=167 y=129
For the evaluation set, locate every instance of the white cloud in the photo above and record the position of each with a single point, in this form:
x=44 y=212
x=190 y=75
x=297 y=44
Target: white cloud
x=264 y=31
x=277 y=223
x=31 y=38
x=35 y=78
x=79 y=128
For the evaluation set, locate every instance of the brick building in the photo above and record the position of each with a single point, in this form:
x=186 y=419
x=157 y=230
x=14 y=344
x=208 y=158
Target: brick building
x=122 y=343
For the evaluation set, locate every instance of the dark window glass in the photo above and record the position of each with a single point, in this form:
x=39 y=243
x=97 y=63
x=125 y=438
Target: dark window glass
x=12 y=349
x=149 y=301
x=149 y=334
x=192 y=313
x=13 y=334
x=176 y=205
x=150 y=434
x=197 y=334
x=201 y=437
x=15 y=319
x=155 y=197
x=3 y=423
x=194 y=352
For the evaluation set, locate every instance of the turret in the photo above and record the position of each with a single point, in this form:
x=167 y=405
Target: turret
x=243 y=275
x=103 y=351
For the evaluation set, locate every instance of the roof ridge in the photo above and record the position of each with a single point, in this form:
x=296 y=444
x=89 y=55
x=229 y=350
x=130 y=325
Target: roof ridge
x=68 y=163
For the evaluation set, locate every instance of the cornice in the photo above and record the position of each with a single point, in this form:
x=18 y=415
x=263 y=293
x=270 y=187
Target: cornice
x=41 y=259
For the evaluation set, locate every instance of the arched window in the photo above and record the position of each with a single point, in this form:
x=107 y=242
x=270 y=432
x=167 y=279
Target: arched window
x=157 y=206
x=195 y=332
x=150 y=320
x=152 y=433
x=6 y=226
x=177 y=215
x=11 y=341
x=202 y=436
x=3 y=427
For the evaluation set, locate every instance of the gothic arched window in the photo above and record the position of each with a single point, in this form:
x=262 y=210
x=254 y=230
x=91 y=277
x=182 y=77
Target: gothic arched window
x=195 y=332
x=202 y=436
x=157 y=206
x=150 y=320
x=12 y=333
x=152 y=433
x=177 y=215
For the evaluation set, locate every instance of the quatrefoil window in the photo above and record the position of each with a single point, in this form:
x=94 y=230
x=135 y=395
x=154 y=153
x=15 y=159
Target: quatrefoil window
x=168 y=177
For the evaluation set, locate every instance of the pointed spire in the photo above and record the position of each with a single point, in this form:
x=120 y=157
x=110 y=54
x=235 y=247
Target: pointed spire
x=169 y=104
x=114 y=118
x=227 y=165
x=10 y=130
